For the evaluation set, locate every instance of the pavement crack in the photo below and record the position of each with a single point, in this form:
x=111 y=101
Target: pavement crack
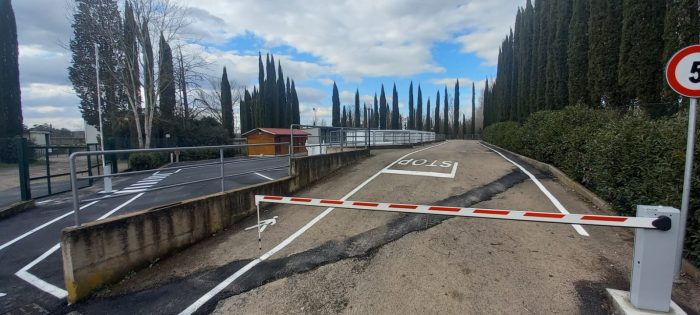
x=362 y=246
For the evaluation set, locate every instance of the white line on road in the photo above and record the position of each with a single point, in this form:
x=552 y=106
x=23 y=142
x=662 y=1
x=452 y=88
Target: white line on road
x=546 y=192
x=3 y=246
x=263 y=176
x=45 y=201
x=421 y=173
x=2 y=294
x=129 y=191
x=213 y=292
x=178 y=171
x=45 y=286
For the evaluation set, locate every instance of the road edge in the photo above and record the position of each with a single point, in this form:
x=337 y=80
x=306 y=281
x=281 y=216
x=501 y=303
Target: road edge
x=598 y=202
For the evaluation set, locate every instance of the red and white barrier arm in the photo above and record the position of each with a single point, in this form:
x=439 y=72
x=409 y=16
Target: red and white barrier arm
x=661 y=223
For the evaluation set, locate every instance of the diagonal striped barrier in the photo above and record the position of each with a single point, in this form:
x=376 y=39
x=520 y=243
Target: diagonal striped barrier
x=655 y=240
x=660 y=223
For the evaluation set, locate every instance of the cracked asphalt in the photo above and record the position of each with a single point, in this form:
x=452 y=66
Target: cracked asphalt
x=359 y=262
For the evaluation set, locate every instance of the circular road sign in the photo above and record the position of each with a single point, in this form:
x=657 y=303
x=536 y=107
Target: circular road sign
x=683 y=72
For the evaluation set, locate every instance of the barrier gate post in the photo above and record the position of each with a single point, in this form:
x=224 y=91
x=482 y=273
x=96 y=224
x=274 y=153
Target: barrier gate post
x=654 y=255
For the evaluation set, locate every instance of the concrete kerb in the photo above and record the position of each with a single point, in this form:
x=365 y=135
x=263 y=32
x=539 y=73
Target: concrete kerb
x=687 y=267
x=100 y=253
x=16 y=208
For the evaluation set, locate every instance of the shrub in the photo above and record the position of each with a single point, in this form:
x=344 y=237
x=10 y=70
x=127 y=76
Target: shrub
x=625 y=159
x=147 y=161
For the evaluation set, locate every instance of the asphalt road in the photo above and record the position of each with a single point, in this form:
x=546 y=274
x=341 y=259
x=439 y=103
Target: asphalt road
x=31 y=277
x=327 y=261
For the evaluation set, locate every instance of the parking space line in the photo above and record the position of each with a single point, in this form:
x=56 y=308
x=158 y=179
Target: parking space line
x=579 y=229
x=218 y=288
x=263 y=176
x=45 y=286
x=3 y=246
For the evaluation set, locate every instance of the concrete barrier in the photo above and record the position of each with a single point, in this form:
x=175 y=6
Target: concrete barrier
x=103 y=252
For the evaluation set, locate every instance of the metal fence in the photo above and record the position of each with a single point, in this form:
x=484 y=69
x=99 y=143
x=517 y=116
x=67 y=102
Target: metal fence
x=44 y=169
x=221 y=162
x=316 y=140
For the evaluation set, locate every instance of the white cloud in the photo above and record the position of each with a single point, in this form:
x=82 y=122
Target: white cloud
x=42 y=91
x=359 y=38
x=43 y=109
x=72 y=123
x=310 y=95
x=463 y=83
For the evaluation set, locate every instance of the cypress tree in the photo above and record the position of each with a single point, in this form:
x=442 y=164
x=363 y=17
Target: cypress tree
x=604 y=27
x=271 y=94
x=680 y=30
x=437 y=113
x=226 y=104
x=88 y=17
x=260 y=96
x=427 y=118
x=283 y=120
x=446 y=116
x=375 y=112
x=473 y=109
x=544 y=11
x=411 y=114
x=456 y=109
x=382 y=110
x=578 y=53
x=10 y=99
x=336 y=106
x=526 y=44
x=395 y=120
x=419 y=110
x=344 y=121
x=357 y=108
x=487 y=105
x=166 y=86
x=245 y=112
x=296 y=116
x=641 y=50
x=289 y=108
x=557 y=89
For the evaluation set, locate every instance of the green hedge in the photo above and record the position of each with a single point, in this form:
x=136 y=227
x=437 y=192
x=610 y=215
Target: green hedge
x=147 y=161
x=625 y=159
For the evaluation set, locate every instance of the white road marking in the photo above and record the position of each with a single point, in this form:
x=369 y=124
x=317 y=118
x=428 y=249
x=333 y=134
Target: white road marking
x=148 y=181
x=41 y=284
x=48 y=287
x=213 y=292
x=45 y=201
x=2 y=294
x=43 y=226
x=263 y=176
x=178 y=171
x=128 y=191
x=421 y=173
x=263 y=224
x=546 y=192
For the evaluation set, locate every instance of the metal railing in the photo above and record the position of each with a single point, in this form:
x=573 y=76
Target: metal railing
x=317 y=140
x=221 y=162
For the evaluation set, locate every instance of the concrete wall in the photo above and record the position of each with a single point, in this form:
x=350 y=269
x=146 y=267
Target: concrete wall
x=101 y=253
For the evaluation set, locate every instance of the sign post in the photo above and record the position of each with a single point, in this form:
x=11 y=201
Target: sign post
x=683 y=76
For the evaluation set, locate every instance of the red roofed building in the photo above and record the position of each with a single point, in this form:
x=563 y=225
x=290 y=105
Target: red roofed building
x=275 y=135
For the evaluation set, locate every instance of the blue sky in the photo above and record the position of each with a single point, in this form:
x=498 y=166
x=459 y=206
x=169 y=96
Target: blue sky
x=360 y=44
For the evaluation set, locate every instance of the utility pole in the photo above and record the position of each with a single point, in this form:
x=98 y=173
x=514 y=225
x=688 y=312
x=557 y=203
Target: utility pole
x=107 y=180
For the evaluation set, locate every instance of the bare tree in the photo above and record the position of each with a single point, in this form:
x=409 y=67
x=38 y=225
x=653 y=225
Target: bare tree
x=207 y=101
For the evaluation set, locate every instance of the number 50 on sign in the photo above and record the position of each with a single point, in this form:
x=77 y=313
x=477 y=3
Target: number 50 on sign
x=683 y=72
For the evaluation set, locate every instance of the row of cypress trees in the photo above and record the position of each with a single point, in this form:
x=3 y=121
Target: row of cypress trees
x=385 y=118
x=273 y=103
x=602 y=53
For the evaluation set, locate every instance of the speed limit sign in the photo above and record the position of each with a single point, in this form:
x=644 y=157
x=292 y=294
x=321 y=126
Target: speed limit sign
x=683 y=72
